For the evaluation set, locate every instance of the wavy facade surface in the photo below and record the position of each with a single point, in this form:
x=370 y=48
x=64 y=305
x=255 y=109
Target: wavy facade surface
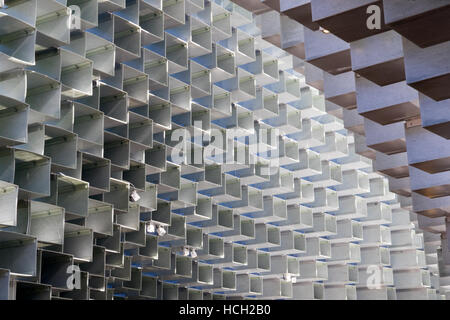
x=196 y=149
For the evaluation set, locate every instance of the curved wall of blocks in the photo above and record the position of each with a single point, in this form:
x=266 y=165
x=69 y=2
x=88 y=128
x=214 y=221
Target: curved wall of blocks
x=193 y=149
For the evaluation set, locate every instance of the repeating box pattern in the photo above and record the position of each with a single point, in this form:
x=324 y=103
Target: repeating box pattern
x=194 y=149
x=383 y=63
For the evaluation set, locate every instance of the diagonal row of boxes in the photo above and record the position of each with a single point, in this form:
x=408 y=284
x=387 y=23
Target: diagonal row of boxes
x=157 y=149
x=388 y=84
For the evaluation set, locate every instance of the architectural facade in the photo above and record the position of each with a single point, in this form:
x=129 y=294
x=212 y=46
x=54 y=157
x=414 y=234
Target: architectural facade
x=245 y=149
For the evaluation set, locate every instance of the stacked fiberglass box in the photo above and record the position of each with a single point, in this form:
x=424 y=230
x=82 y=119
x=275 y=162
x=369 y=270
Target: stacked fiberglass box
x=194 y=149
